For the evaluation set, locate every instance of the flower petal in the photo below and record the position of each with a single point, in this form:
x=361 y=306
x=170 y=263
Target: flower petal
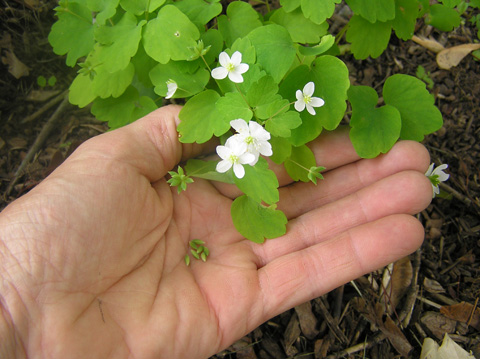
x=219 y=73
x=311 y=110
x=316 y=102
x=309 y=89
x=223 y=59
x=241 y=68
x=223 y=166
x=430 y=170
x=238 y=170
x=235 y=77
x=236 y=58
x=239 y=125
x=265 y=148
x=247 y=158
x=299 y=105
x=171 y=89
x=299 y=95
x=223 y=151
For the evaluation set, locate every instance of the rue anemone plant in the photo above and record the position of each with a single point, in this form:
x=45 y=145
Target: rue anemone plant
x=265 y=83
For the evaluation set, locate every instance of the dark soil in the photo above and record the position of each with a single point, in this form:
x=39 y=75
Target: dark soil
x=442 y=273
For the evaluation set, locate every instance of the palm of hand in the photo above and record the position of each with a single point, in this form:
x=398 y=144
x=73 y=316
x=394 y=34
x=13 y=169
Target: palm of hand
x=114 y=283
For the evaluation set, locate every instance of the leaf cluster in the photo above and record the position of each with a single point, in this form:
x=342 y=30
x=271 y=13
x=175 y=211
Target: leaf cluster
x=128 y=51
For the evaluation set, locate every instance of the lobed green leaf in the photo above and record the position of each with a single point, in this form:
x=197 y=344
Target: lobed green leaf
x=259 y=183
x=256 y=222
x=72 y=33
x=368 y=39
x=416 y=106
x=274 y=49
x=373 y=130
x=373 y=10
x=170 y=35
x=240 y=19
x=200 y=119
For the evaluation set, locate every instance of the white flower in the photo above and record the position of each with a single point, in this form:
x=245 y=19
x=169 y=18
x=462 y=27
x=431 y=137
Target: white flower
x=235 y=154
x=436 y=176
x=305 y=99
x=171 y=88
x=255 y=136
x=231 y=67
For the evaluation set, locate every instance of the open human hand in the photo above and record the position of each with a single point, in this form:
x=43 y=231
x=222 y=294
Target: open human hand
x=92 y=259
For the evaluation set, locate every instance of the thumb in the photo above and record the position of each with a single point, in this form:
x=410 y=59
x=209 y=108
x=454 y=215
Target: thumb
x=149 y=144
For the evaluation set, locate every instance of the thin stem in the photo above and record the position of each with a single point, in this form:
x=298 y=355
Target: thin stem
x=244 y=99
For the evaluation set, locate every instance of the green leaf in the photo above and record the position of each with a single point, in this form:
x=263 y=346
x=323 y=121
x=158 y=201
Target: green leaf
x=374 y=130
x=373 y=10
x=207 y=170
x=120 y=42
x=282 y=124
x=274 y=48
x=443 y=17
x=143 y=65
x=259 y=183
x=105 y=9
x=189 y=84
x=246 y=48
x=262 y=91
x=233 y=106
x=318 y=11
x=330 y=76
x=122 y=110
x=282 y=149
x=169 y=36
x=81 y=91
x=368 y=39
x=451 y=3
x=241 y=18
x=300 y=161
x=199 y=11
x=271 y=109
x=415 y=104
x=290 y=5
x=200 y=119
x=256 y=222
x=406 y=12
x=327 y=42
x=106 y=84
x=300 y=28
x=138 y=7
x=41 y=81
x=72 y=34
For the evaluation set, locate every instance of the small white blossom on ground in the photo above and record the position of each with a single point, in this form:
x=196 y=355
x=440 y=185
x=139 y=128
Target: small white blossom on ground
x=235 y=154
x=255 y=136
x=436 y=176
x=171 y=88
x=305 y=99
x=232 y=67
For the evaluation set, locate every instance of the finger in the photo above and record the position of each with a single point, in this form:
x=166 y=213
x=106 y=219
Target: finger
x=301 y=197
x=406 y=192
x=301 y=276
x=149 y=144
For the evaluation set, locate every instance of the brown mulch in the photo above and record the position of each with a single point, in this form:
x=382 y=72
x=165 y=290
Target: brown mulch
x=425 y=290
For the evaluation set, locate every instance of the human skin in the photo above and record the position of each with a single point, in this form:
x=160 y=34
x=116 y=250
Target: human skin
x=92 y=259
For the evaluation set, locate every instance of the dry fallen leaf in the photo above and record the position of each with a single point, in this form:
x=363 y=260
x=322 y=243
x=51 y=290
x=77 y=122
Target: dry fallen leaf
x=448 y=350
x=398 y=284
x=461 y=313
x=429 y=44
x=15 y=66
x=448 y=58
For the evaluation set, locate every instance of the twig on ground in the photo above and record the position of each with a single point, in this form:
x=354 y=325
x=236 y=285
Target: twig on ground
x=41 y=138
x=332 y=322
x=45 y=107
x=358 y=347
